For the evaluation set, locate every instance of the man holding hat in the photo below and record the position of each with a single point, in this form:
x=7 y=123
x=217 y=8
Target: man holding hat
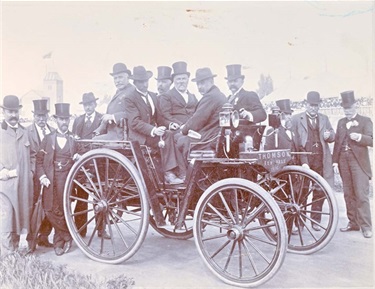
x=178 y=104
x=205 y=119
x=351 y=159
x=142 y=114
x=54 y=160
x=84 y=127
x=15 y=177
x=315 y=133
x=37 y=131
x=111 y=126
x=246 y=102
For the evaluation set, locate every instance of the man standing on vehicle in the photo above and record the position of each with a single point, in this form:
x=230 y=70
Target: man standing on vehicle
x=37 y=131
x=247 y=103
x=315 y=133
x=111 y=123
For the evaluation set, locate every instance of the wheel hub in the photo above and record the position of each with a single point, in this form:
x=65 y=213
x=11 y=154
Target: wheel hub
x=235 y=233
x=101 y=206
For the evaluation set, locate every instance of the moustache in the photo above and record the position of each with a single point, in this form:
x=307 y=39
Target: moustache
x=13 y=118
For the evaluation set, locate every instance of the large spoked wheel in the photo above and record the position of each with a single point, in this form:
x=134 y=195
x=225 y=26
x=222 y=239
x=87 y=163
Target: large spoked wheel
x=230 y=236
x=170 y=211
x=113 y=203
x=309 y=207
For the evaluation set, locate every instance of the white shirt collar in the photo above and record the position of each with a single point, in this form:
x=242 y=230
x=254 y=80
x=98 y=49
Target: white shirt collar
x=92 y=116
x=11 y=126
x=237 y=91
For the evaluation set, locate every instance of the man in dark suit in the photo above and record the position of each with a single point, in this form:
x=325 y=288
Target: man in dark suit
x=54 y=160
x=111 y=126
x=83 y=128
x=246 y=102
x=351 y=159
x=205 y=119
x=164 y=79
x=141 y=112
x=178 y=104
x=37 y=131
x=315 y=133
x=285 y=137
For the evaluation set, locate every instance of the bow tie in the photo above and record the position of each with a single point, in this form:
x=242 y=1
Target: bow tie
x=64 y=135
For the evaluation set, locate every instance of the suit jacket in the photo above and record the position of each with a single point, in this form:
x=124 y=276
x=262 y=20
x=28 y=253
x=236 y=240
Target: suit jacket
x=249 y=100
x=173 y=107
x=360 y=149
x=300 y=126
x=79 y=124
x=140 y=119
x=205 y=119
x=35 y=143
x=45 y=163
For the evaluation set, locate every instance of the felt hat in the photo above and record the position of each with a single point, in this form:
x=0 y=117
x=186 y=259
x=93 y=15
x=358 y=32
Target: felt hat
x=164 y=72
x=203 y=73
x=11 y=102
x=347 y=98
x=140 y=73
x=40 y=106
x=233 y=72
x=180 y=67
x=88 y=97
x=313 y=97
x=62 y=110
x=284 y=105
x=119 y=68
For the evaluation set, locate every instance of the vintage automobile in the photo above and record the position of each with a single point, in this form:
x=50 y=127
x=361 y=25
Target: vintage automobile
x=238 y=202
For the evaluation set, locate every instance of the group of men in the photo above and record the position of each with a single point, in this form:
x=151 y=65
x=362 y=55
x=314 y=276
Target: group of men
x=40 y=157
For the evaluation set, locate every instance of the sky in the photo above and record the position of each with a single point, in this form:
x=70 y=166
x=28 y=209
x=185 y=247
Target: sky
x=289 y=41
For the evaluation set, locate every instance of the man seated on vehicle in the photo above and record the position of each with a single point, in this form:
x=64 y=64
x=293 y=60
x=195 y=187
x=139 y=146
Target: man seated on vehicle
x=140 y=108
x=205 y=119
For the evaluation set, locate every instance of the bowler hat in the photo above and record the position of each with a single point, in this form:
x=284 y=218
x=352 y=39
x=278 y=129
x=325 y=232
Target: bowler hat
x=40 y=106
x=233 y=72
x=284 y=105
x=164 y=72
x=180 y=67
x=140 y=73
x=120 y=67
x=347 y=98
x=313 y=97
x=62 y=110
x=11 y=102
x=88 y=97
x=203 y=73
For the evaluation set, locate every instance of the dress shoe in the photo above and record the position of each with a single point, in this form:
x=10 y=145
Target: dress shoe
x=67 y=246
x=315 y=227
x=59 y=251
x=43 y=242
x=349 y=228
x=172 y=179
x=104 y=235
x=367 y=233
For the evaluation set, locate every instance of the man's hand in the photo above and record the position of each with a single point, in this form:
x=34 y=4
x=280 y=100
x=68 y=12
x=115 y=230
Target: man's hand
x=355 y=136
x=108 y=118
x=159 y=131
x=326 y=134
x=246 y=114
x=4 y=174
x=174 y=126
x=45 y=182
x=335 y=168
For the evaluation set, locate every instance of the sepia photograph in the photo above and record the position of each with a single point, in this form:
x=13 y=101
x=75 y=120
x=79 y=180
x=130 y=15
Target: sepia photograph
x=186 y=144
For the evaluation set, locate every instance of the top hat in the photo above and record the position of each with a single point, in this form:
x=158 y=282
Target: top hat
x=233 y=72
x=313 y=97
x=88 y=97
x=120 y=67
x=62 y=110
x=164 y=72
x=11 y=102
x=347 y=98
x=40 y=106
x=180 y=67
x=203 y=73
x=140 y=73
x=284 y=105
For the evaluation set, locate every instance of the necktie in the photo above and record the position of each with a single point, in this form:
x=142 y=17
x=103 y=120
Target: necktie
x=44 y=131
x=147 y=102
x=88 y=121
x=231 y=98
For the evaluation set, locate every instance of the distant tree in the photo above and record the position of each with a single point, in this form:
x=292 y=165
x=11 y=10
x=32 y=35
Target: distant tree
x=105 y=100
x=265 y=84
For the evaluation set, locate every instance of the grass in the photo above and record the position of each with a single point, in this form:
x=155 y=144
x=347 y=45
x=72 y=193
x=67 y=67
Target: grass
x=28 y=271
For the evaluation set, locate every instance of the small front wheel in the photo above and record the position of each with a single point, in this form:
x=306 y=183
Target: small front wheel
x=230 y=237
